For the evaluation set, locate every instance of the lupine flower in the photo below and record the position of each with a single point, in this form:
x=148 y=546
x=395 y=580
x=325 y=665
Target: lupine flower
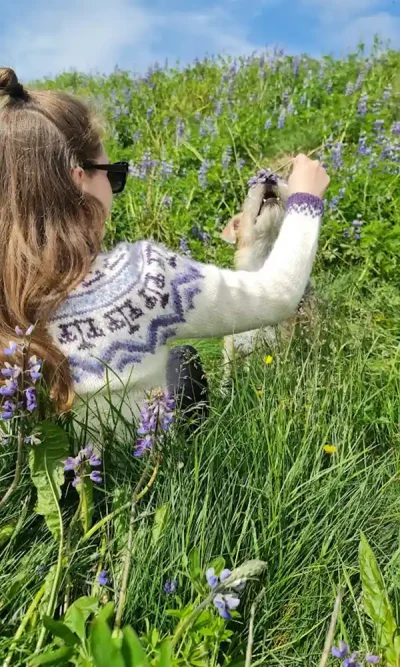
x=363 y=149
x=202 y=173
x=27 y=333
x=336 y=155
x=180 y=128
x=349 y=88
x=227 y=157
x=240 y=163
x=170 y=586
x=184 y=247
x=81 y=464
x=362 y=105
x=372 y=659
x=225 y=604
x=378 y=125
x=303 y=98
x=281 y=119
x=341 y=651
x=31 y=401
x=218 y=108
x=396 y=128
x=158 y=412
x=296 y=65
x=268 y=124
x=34 y=368
x=359 y=81
x=199 y=234
x=102 y=578
x=291 y=109
x=12 y=349
x=9 y=409
x=387 y=93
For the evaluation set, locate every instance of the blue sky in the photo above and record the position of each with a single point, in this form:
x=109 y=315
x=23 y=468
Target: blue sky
x=48 y=36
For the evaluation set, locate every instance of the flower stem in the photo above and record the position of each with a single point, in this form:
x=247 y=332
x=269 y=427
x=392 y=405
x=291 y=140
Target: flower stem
x=18 y=468
x=331 y=631
x=23 y=624
x=112 y=515
x=129 y=545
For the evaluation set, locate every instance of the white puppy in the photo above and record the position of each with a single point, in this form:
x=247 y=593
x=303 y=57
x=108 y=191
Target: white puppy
x=254 y=232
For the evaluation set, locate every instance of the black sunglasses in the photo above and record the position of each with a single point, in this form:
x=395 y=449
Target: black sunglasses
x=117 y=173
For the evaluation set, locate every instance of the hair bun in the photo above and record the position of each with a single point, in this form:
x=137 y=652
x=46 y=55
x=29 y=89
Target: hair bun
x=9 y=84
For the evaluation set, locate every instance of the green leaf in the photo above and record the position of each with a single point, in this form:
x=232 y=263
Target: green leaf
x=218 y=564
x=165 y=655
x=104 y=650
x=132 y=649
x=6 y=532
x=86 y=505
x=194 y=568
x=59 y=657
x=106 y=612
x=377 y=604
x=78 y=613
x=46 y=462
x=59 y=629
x=159 y=522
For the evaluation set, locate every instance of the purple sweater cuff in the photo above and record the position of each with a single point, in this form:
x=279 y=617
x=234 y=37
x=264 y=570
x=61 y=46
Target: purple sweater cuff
x=302 y=202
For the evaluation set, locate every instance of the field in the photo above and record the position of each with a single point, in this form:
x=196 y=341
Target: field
x=302 y=457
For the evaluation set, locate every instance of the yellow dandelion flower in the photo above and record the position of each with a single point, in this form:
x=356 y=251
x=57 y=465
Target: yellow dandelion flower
x=268 y=359
x=330 y=449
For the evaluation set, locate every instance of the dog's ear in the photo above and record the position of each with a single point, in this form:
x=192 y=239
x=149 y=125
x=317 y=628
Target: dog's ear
x=230 y=231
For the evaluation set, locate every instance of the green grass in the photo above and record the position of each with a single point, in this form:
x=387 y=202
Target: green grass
x=256 y=483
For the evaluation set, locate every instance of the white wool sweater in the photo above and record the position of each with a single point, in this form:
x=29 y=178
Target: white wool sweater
x=115 y=325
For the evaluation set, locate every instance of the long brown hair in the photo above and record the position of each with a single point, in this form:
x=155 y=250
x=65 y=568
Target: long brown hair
x=49 y=228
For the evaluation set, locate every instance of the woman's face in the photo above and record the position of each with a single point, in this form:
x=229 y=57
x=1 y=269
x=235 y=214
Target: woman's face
x=96 y=183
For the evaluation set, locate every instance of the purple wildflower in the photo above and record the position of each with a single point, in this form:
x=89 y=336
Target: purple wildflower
x=9 y=388
x=268 y=124
x=184 y=247
x=396 y=128
x=9 y=409
x=362 y=105
x=158 y=411
x=336 y=155
x=218 y=108
x=12 y=349
x=180 y=128
x=296 y=65
x=31 y=399
x=202 y=173
x=378 y=125
x=372 y=659
x=349 y=88
x=387 y=93
x=102 y=578
x=240 y=163
x=351 y=661
x=291 y=109
x=359 y=81
x=11 y=371
x=34 y=368
x=227 y=157
x=170 y=586
x=225 y=604
x=212 y=578
x=281 y=119
x=96 y=477
x=363 y=149
x=341 y=651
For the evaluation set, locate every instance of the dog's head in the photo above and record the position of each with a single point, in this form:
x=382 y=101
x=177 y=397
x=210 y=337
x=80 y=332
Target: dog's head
x=268 y=219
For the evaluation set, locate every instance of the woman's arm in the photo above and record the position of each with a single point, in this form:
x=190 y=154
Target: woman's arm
x=201 y=300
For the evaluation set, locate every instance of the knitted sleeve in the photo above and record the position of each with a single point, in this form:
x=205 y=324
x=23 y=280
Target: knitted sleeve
x=186 y=299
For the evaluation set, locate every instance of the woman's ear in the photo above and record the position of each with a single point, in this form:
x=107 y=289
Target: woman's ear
x=77 y=176
x=230 y=231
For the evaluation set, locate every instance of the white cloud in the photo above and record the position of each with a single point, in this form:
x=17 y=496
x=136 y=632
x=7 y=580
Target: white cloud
x=95 y=35
x=364 y=29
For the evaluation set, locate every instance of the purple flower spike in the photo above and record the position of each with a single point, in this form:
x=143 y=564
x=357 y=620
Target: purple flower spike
x=212 y=578
x=351 y=661
x=70 y=463
x=102 y=578
x=340 y=652
x=9 y=388
x=96 y=477
x=372 y=659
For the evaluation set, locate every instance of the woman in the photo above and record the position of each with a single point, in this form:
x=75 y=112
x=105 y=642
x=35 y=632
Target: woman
x=103 y=320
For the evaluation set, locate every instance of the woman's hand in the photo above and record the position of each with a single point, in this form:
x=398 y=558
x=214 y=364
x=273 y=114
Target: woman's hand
x=308 y=176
